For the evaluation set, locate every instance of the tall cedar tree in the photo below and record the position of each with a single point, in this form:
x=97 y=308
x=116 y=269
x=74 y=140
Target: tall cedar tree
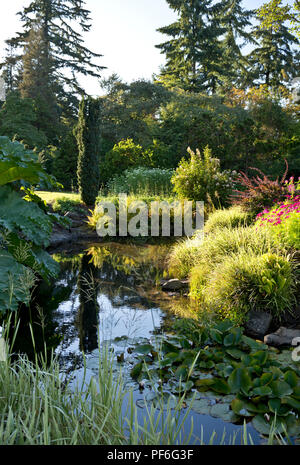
x=64 y=52
x=235 y=20
x=38 y=84
x=88 y=140
x=193 y=53
x=275 y=61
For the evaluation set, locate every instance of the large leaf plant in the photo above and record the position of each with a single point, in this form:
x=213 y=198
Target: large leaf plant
x=25 y=225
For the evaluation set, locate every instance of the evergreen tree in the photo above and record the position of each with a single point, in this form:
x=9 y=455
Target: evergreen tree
x=65 y=162
x=64 y=55
x=38 y=83
x=274 y=61
x=88 y=140
x=18 y=118
x=235 y=20
x=193 y=53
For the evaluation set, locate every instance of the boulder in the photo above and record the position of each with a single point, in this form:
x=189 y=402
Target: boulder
x=174 y=284
x=282 y=337
x=258 y=324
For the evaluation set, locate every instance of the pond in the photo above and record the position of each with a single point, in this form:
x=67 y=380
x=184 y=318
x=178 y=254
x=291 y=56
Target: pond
x=107 y=294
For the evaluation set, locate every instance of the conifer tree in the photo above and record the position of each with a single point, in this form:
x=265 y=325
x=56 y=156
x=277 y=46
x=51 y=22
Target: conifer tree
x=88 y=140
x=38 y=83
x=275 y=61
x=193 y=53
x=64 y=55
x=236 y=22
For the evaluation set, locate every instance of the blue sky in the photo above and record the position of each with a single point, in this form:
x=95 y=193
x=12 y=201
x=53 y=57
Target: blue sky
x=124 y=31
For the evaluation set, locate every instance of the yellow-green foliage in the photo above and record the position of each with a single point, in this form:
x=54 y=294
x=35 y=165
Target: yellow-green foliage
x=231 y=218
x=245 y=281
x=216 y=246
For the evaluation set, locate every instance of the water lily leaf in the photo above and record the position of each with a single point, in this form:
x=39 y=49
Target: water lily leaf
x=239 y=407
x=254 y=345
x=264 y=427
x=223 y=411
x=291 y=378
x=136 y=370
x=216 y=336
x=239 y=380
x=181 y=372
x=229 y=340
x=204 y=383
x=184 y=387
x=293 y=425
x=256 y=408
x=202 y=406
x=224 y=326
x=292 y=402
x=259 y=358
x=221 y=386
x=235 y=353
x=261 y=424
x=265 y=379
x=281 y=389
x=262 y=391
x=144 y=349
x=274 y=405
x=297 y=392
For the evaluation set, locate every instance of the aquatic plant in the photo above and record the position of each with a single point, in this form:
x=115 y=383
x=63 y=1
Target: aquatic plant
x=247 y=379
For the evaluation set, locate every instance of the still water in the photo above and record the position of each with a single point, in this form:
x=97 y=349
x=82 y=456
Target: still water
x=107 y=294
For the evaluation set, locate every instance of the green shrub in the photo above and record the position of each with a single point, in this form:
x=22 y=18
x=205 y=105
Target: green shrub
x=144 y=181
x=200 y=178
x=261 y=192
x=233 y=217
x=64 y=204
x=123 y=156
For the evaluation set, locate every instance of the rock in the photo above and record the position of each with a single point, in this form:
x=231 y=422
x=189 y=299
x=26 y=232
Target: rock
x=258 y=324
x=174 y=285
x=59 y=238
x=282 y=337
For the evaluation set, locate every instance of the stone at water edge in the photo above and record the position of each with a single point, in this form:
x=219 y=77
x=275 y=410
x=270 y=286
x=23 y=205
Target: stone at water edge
x=258 y=324
x=174 y=284
x=282 y=337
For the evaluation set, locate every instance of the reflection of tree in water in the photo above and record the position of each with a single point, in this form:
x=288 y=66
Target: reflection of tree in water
x=34 y=326
x=89 y=308
x=116 y=275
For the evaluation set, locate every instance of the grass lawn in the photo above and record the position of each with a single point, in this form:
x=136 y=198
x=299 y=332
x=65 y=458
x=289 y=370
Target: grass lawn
x=50 y=197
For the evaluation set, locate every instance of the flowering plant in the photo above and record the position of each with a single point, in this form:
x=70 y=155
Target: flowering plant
x=284 y=217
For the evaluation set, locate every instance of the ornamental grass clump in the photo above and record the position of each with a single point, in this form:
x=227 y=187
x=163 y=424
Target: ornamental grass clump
x=245 y=282
x=227 y=218
x=217 y=245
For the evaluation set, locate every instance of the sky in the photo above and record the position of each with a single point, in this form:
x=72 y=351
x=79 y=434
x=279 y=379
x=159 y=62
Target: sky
x=123 y=31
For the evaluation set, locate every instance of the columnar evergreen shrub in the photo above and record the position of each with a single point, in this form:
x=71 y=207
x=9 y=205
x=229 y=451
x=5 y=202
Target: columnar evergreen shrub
x=88 y=139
